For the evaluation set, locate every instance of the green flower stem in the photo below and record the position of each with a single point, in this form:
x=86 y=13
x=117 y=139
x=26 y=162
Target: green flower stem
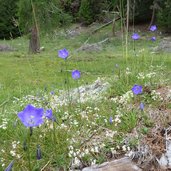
x=28 y=152
x=78 y=93
x=55 y=139
x=67 y=83
x=119 y=73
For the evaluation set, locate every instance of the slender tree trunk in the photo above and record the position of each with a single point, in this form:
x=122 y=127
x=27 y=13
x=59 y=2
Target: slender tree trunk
x=127 y=29
x=34 y=45
x=127 y=16
x=152 y=18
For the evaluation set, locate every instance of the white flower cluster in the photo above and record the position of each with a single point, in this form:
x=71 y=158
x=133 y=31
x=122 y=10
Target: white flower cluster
x=110 y=133
x=124 y=99
x=4 y=123
x=118 y=115
x=128 y=71
x=2 y=159
x=78 y=154
x=142 y=76
x=117 y=119
x=65 y=115
x=31 y=99
x=90 y=111
x=89 y=148
x=80 y=94
x=125 y=148
x=13 y=152
x=156 y=95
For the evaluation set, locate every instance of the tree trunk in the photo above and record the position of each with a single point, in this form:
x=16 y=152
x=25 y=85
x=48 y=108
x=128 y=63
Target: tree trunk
x=34 y=45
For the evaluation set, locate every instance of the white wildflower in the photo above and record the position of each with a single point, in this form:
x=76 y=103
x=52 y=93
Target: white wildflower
x=141 y=76
x=13 y=153
x=127 y=72
x=2 y=150
x=93 y=162
x=124 y=147
x=96 y=149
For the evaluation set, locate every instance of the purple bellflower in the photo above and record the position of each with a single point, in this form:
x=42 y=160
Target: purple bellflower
x=52 y=92
x=63 y=53
x=110 y=120
x=31 y=116
x=25 y=145
x=135 y=36
x=153 y=38
x=38 y=153
x=9 y=168
x=153 y=28
x=137 y=89
x=50 y=115
x=76 y=74
x=141 y=106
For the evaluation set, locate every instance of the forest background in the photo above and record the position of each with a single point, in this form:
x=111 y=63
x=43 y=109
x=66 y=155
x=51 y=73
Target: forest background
x=18 y=16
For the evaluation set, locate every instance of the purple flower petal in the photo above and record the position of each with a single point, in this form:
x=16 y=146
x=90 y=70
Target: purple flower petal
x=31 y=116
x=153 y=38
x=141 y=106
x=63 y=53
x=153 y=28
x=76 y=74
x=38 y=153
x=135 y=36
x=137 y=89
x=9 y=168
x=49 y=114
x=110 y=120
x=52 y=92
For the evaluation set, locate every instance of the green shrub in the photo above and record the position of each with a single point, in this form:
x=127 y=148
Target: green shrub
x=86 y=12
x=49 y=14
x=141 y=10
x=8 y=19
x=164 y=15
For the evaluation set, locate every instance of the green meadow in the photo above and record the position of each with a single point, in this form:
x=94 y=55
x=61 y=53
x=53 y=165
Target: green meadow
x=84 y=132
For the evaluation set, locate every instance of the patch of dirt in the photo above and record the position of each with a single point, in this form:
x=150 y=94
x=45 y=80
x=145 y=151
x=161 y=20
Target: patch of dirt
x=153 y=145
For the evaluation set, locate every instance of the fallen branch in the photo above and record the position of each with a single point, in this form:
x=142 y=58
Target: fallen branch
x=110 y=22
x=88 y=46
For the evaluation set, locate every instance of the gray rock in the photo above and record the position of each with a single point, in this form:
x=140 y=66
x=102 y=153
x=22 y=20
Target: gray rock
x=6 y=48
x=123 y=164
x=164 y=45
x=83 y=94
x=91 y=47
